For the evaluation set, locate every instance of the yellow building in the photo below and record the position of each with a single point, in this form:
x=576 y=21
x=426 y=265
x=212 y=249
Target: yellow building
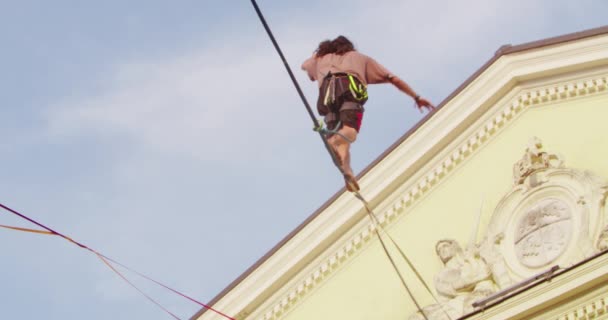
x=497 y=199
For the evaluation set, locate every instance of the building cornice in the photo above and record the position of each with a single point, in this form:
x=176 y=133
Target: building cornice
x=520 y=100
x=580 y=292
x=512 y=84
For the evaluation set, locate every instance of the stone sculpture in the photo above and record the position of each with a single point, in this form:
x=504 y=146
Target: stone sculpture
x=465 y=278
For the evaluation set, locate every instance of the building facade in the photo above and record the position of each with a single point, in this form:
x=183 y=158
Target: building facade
x=497 y=200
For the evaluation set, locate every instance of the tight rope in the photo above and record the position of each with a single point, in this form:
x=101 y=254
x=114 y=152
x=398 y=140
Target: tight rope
x=106 y=260
x=378 y=225
x=295 y=82
x=377 y=222
x=335 y=160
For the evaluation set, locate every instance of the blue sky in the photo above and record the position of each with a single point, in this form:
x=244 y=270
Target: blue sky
x=168 y=136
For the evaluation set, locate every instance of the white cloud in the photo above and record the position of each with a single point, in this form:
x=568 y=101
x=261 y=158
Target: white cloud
x=201 y=103
x=233 y=99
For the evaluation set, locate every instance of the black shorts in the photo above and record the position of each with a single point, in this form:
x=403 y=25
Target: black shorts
x=351 y=118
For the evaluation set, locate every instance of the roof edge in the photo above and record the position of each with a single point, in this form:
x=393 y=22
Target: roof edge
x=502 y=51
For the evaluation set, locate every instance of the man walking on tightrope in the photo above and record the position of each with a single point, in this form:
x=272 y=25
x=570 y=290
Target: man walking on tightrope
x=343 y=75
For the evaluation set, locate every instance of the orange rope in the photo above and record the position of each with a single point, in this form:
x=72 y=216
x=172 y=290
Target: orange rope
x=28 y=230
x=106 y=260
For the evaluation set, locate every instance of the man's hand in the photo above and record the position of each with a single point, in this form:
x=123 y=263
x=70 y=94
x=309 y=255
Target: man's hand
x=422 y=103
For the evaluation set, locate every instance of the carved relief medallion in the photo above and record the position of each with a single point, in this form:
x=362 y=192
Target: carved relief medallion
x=543 y=232
x=551 y=216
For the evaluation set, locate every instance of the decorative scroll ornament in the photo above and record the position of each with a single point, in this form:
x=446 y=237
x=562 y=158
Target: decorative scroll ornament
x=535 y=159
x=553 y=215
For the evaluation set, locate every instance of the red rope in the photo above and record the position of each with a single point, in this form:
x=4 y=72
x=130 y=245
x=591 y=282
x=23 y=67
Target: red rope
x=135 y=287
x=170 y=289
x=105 y=260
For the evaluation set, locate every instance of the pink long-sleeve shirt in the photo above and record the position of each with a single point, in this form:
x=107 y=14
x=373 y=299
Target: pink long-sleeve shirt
x=365 y=68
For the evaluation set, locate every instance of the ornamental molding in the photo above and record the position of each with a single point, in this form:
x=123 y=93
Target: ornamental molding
x=507 y=111
x=595 y=309
x=553 y=217
x=579 y=293
x=318 y=248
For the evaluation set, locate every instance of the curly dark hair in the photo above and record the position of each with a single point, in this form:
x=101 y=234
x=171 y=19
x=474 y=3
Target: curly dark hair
x=339 y=46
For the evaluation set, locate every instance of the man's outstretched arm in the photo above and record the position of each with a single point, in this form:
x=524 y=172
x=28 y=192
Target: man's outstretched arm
x=405 y=88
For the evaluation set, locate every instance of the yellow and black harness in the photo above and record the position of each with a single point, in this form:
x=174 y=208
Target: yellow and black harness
x=340 y=91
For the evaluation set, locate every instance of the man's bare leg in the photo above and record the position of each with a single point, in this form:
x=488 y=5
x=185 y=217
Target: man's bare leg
x=342 y=149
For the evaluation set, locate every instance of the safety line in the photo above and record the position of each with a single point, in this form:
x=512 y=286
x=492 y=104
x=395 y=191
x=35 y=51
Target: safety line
x=375 y=219
x=324 y=139
x=135 y=287
x=101 y=257
x=170 y=289
x=106 y=259
x=27 y=230
x=324 y=130
x=378 y=225
x=390 y=258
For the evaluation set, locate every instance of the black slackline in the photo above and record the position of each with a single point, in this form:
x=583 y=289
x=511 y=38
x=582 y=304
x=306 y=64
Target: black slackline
x=295 y=83
x=333 y=155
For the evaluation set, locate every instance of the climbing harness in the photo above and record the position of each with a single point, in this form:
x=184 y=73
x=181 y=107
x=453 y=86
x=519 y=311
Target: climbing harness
x=341 y=91
x=362 y=94
x=358 y=89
